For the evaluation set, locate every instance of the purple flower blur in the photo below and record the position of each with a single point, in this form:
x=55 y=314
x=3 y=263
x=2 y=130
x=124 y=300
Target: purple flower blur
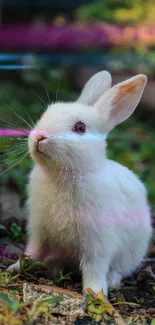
x=72 y=36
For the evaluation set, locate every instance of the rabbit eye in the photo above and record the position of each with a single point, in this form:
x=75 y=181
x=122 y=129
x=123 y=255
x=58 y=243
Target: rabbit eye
x=79 y=127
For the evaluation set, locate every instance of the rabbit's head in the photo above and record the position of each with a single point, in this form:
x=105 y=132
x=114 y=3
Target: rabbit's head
x=72 y=135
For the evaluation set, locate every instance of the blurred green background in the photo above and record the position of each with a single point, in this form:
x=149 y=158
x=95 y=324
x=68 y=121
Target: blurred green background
x=132 y=143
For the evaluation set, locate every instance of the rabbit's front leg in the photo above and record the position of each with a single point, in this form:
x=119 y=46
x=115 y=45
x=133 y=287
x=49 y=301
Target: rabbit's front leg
x=94 y=273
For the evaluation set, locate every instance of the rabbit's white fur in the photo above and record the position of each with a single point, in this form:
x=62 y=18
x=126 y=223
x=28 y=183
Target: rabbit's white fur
x=93 y=209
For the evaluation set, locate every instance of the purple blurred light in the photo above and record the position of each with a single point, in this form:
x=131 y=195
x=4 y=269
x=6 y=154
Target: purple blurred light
x=13 y=133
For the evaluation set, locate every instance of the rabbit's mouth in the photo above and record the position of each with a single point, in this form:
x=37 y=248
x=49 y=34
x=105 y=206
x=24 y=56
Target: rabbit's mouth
x=41 y=143
x=43 y=147
x=38 y=144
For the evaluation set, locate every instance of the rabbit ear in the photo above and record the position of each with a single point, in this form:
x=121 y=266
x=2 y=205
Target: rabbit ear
x=95 y=88
x=119 y=102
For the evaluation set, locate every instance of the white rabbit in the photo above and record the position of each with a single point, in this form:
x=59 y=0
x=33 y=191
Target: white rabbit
x=82 y=206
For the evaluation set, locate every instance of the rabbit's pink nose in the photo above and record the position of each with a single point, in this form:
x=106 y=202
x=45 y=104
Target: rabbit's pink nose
x=40 y=138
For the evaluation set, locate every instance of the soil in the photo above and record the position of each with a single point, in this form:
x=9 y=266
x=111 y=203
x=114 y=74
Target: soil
x=135 y=299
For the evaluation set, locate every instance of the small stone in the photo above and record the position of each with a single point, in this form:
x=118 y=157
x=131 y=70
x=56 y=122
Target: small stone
x=73 y=303
x=45 y=281
x=142 y=311
x=151 y=311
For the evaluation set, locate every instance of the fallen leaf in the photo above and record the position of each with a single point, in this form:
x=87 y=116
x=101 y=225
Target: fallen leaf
x=110 y=310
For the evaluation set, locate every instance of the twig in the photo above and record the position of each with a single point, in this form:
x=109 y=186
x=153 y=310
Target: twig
x=111 y=310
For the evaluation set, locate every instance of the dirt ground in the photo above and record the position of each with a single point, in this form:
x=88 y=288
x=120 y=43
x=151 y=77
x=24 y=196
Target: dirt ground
x=134 y=301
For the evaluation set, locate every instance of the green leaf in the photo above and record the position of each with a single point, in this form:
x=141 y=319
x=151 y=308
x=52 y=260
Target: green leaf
x=89 y=299
x=2 y=282
x=153 y=321
x=15 y=230
x=2 y=266
x=125 y=303
x=97 y=318
x=94 y=310
x=14 y=277
x=32 y=266
x=4 y=297
x=54 y=300
x=3 y=228
x=5 y=273
x=144 y=322
x=13 y=304
x=24 y=264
